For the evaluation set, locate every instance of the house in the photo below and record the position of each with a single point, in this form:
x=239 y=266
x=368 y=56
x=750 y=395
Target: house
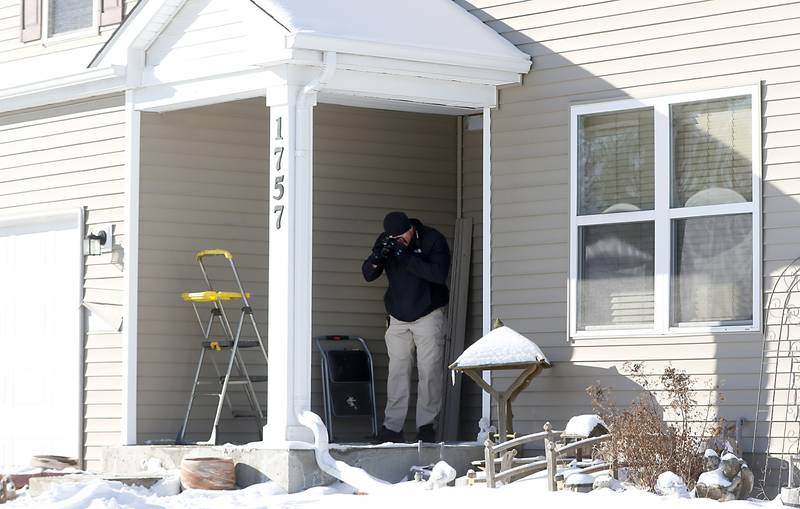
x=629 y=167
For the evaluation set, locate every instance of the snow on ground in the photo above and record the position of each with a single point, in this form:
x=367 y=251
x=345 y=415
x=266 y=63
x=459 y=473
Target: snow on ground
x=409 y=495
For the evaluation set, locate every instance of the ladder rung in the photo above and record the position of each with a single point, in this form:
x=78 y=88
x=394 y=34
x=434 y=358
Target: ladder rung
x=236 y=380
x=227 y=343
x=211 y=296
x=241 y=379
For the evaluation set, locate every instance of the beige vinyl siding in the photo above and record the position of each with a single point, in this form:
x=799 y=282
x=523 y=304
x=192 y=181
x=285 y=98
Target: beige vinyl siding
x=69 y=156
x=367 y=163
x=11 y=48
x=203 y=185
x=590 y=51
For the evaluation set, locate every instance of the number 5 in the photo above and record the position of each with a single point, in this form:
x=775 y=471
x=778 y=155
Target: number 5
x=279 y=187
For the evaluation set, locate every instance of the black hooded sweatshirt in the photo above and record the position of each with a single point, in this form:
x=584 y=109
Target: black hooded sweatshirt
x=416 y=277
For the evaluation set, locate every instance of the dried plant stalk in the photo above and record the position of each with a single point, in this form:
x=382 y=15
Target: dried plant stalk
x=651 y=436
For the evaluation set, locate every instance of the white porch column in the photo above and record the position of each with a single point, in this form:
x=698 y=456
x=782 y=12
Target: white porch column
x=290 y=234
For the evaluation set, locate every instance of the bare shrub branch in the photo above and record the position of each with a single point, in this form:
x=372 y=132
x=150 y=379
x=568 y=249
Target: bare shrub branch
x=652 y=436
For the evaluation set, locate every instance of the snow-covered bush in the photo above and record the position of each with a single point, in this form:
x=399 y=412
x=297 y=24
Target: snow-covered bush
x=663 y=429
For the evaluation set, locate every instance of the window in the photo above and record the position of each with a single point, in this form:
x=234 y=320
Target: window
x=45 y=19
x=665 y=231
x=69 y=15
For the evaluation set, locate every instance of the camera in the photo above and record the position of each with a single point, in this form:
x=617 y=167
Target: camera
x=389 y=246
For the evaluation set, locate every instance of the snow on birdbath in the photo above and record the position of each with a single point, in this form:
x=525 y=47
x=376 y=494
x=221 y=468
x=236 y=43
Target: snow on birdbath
x=502 y=348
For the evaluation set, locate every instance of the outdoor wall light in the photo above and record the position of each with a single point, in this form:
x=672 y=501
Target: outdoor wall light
x=99 y=240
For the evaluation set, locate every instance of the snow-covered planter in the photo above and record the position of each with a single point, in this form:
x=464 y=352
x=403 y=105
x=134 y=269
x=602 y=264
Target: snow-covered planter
x=581 y=483
x=670 y=483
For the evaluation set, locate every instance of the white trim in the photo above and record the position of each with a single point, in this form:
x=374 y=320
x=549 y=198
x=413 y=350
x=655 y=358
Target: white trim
x=663 y=213
x=412 y=89
x=131 y=275
x=486 y=399
x=201 y=92
x=662 y=289
x=81 y=220
x=711 y=210
x=88 y=83
x=630 y=104
x=617 y=218
x=307 y=40
x=758 y=247
x=572 y=276
x=393 y=105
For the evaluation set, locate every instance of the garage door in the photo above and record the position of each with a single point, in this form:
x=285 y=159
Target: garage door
x=40 y=340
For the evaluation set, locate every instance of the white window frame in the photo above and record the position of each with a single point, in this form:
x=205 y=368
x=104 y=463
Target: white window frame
x=72 y=34
x=663 y=213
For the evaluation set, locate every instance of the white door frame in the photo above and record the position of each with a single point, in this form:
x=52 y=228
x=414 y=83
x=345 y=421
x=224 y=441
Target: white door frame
x=77 y=215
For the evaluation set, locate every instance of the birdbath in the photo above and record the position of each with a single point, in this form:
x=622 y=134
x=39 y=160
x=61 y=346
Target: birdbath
x=502 y=348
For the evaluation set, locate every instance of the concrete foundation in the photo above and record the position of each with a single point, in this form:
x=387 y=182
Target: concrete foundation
x=295 y=469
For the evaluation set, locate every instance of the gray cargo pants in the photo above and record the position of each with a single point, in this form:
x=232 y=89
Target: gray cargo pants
x=426 y=335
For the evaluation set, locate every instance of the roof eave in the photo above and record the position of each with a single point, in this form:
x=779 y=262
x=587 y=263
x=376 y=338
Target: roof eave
x=320 y=42
x=88 y=83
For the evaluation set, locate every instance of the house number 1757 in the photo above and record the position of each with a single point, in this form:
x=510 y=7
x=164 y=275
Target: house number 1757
x=278 y=184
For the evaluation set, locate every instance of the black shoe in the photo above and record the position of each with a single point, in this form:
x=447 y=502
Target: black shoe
x=426 y=433
x=387 y=435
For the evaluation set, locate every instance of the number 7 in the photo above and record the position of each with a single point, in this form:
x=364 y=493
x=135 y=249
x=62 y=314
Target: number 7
x=278 y=210
x=279 y=152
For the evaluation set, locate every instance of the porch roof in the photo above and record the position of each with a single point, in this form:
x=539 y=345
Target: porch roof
x=437 y=31
x=439 y=26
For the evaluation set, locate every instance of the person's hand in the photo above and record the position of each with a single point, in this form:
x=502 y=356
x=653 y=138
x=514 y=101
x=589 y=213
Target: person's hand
x=379 y=250
x=400 y=249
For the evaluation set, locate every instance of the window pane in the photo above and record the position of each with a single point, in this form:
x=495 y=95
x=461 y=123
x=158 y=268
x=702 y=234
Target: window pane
x=712 y=280
x=68 y=15
x=615 y=276
x=615 y=162
x=712 y=152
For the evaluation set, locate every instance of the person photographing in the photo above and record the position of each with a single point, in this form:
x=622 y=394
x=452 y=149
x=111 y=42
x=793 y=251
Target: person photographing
x=416 y=260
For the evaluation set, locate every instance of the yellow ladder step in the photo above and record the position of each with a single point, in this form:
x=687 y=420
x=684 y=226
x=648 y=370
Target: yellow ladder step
x=211 y=296
x=214 y=252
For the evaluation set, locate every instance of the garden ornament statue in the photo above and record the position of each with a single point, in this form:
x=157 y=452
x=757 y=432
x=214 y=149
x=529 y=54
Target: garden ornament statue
x=731 y=480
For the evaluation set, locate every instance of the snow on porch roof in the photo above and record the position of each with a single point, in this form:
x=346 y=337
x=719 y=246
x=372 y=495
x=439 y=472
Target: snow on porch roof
x=436 y=31
x=439 y=25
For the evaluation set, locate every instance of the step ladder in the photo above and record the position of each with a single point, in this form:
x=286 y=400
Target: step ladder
x=230 y=342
